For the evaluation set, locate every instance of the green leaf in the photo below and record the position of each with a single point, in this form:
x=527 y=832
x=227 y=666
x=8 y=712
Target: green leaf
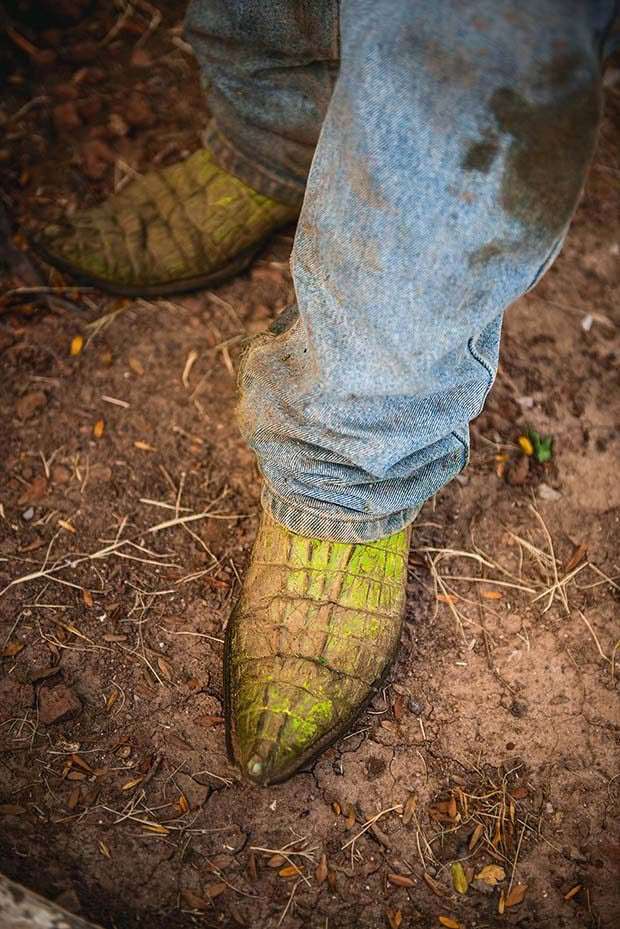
x=459 y=878
x=543 y=447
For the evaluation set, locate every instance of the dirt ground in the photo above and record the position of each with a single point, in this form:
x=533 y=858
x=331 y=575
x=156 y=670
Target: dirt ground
x=128 y=508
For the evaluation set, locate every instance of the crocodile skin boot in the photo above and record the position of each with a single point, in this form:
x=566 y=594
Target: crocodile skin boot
x=182 y=228
x=308 y=644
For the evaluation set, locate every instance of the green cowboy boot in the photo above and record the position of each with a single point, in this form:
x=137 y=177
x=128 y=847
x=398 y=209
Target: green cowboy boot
x=308 y=644
x=182 y=228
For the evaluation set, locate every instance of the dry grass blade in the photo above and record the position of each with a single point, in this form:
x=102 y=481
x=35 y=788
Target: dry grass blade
x=370 y=823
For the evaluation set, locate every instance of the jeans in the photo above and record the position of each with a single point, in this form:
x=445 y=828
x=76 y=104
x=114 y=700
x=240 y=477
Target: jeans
x=442 y=148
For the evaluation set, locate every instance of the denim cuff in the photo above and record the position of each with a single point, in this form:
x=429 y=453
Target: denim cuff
x=319 y=524
x=255 y=175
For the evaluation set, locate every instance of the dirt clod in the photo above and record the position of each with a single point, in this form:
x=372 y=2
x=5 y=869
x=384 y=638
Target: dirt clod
x=57 y=704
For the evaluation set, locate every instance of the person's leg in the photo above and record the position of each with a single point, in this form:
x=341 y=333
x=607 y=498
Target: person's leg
x=449 y=165
x=269 y=69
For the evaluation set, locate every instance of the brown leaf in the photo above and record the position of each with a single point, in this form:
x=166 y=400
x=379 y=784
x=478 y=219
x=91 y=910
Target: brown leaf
x=74 y=796
x=395 y=917
x=136 y=366
x=336 y=808
x=12 y=648
x=519 y=793
x=516 y=895
x=133 y=783
x=164 y=667
x=400 y=880
x=214 y=890
x=289 y=871
x=193 y=683
x=491 y=874
x=452 y=807
x=252 y=867
x=276 y=861
x=449 y=923
x=321 y=870
x=157 y=827
x=574 y=890
x=38 y=488
x=11 y=809
x=580 y=552
x=332 y=880
x=447 y=598
x=475 y=836
x=76 y=776
x=194 y=902
x=87 y=597
x=492 y=594
x=42 y=673
x=98 y=429
x=111 y=699
x=399 y=707
x=76 y=760
x=409 y=810
x=182 y=804
x=351 y=817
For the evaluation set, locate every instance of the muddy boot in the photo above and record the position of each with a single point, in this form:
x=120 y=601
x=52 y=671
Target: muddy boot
x=308 y=644
x=182 y=228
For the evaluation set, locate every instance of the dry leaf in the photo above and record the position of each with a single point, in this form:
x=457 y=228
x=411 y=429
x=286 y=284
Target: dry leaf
x=516 y=895
x=76 y=776
x=11 y=809
x=164 y=667
x=574 y=890
x=395 y=917
x=42 y=673
x=182 y=804
x=501 y=902
x=104 y=849
x=400 y=880
x=491 y=594
x=519 y=793
x=98 y=429
x=579 y=553
x=409 y=810
x=452 y=807
x=214 y=890
x=526 y=445
x=491 y=874
x=459 y=878
x=399 y=708
x=252 y=867
x=157 y=827
x=77 y=344
x=434 y=885
x=12 y=648
x=65 y=525
x=136 y=366
x=87 y=597
x=133 y=783
x=351 y=817
x=289 y=871
x=448 y=922
x=144 y=446
x=321 y=869
x=193 y=683
x=276 y=861
x=332 y=880
x=111 y=699
x=74 y=796
x=76 y=760
x=194 y=902
x=447 y=598
x=336 y=808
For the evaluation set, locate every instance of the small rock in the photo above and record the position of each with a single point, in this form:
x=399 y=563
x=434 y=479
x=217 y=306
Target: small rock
x=66 y=116
x=60 y=474
x=117 y=125
x=138 y=112
x=338 y=767
x=89 y=107
x=57 y=704
x=518 y=471
x=28 y=514
x=415 y=706
x=96 y=158
x=548 y=493
x=511 y=624
x=140 y=59
x=483 y=887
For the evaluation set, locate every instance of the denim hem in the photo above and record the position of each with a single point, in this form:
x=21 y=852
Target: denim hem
x=307 y=521
x=289 y=193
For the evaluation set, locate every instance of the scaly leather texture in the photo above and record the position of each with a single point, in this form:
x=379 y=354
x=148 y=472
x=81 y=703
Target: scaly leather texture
x=171 y=230
x=308 y=643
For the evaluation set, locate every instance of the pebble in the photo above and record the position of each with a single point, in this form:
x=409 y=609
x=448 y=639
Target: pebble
x=57 y=704
x=28 y=514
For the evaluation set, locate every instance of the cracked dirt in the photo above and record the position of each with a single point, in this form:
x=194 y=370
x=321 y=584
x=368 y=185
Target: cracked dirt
x=503 y=698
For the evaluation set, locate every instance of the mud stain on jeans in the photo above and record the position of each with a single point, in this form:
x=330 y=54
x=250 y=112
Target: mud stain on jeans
x=551 y=148
x=481 y=153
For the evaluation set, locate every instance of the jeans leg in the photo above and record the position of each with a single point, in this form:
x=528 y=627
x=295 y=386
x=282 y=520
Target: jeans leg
x=269 y=66
x=449 y=165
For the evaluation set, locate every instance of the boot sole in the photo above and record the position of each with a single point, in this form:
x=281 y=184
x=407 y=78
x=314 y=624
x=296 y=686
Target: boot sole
x=166 y=289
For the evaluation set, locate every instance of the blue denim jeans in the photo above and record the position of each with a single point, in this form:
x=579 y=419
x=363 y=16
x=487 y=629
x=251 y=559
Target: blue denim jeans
x=442 y=148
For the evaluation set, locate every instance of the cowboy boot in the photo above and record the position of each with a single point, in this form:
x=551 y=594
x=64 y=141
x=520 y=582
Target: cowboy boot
x=182 y=228
x=308 y=644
